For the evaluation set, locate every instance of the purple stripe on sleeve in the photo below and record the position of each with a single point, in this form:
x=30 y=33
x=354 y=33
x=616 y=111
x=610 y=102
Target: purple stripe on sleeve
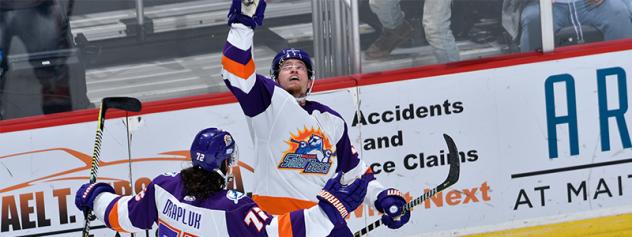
x=310 y=106
x=347 y=159
x=142 y=208
x=259 y=98
x=237 y=54
x=237 y=226
x=108 y=210
x=298 y=223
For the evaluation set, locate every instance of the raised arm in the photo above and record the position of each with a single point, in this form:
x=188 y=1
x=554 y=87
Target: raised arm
x=254 y=92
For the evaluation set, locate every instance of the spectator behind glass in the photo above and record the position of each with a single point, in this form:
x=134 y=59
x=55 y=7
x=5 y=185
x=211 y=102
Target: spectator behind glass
x=628 y=3
x=42 y=26
x=396 y=30
x=521 y=19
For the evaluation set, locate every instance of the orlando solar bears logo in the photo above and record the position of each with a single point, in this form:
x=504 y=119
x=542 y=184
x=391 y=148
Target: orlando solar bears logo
x=309 y=151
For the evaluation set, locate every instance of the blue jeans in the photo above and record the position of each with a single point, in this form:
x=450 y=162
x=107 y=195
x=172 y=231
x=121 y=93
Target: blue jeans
x=388 y=12
x=436 y=22
x=612 y=18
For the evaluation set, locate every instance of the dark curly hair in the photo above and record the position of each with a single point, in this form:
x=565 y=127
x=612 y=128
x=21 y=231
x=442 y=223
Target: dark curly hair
x=200 y=183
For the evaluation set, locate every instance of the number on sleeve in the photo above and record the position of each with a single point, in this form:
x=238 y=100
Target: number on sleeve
x=257 y=219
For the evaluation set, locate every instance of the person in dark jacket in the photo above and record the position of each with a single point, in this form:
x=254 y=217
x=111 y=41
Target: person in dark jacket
x=42 y=26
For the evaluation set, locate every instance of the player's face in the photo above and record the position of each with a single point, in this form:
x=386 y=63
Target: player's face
x=293 y=77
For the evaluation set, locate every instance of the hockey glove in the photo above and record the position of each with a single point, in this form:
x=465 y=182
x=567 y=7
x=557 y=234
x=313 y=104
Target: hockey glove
x=337 y=200
x=84 y=199
x=391 y=203
x=247 y=12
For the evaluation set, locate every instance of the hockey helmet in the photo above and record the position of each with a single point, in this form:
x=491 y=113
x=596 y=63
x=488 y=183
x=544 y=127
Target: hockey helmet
x=291 y=53
x=211 y=147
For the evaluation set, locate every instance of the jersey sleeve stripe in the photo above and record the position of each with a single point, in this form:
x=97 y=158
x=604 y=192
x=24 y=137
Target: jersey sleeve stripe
x=348 y=158
x=243 y=71
x=118 y=215
x=285 y=226
x=316 y=222
x=103 y=214
x=125 y=220
x=298 y=223
x=109 y=208
x=240 y=36
x=272 y=229
x=113 y=218
x=258 y=97
x=237 y=54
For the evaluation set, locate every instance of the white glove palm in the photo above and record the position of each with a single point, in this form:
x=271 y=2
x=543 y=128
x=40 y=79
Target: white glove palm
x=247 y=12
x=249 y=7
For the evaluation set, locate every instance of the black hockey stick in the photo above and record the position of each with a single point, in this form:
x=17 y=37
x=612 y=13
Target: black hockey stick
x=122 y=103
x=453 y=177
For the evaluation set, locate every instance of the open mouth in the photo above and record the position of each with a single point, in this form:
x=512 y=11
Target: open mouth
x=292 y=78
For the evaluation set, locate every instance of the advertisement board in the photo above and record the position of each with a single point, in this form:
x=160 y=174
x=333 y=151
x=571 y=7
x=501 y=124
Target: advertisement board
x=538 y=143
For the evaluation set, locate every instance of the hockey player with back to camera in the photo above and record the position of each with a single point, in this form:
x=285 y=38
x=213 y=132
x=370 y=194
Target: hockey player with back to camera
x=298 y=143
x=194 y=201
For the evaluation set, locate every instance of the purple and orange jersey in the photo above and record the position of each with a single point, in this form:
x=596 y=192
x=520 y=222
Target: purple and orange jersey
x=298 y=147
x=226 y=213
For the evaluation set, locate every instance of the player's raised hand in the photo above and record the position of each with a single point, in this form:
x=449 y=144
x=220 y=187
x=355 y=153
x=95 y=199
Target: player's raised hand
x=247 y=12
x=338 y=200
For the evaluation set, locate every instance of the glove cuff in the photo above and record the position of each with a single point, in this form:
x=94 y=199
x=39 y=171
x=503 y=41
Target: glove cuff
x=333 y=208
x=243 y=19
x=389 y=192
x=85 y=199
x=333 y=200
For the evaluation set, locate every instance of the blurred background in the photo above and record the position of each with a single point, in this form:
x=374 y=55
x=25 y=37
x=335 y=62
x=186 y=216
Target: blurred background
x=63 y=55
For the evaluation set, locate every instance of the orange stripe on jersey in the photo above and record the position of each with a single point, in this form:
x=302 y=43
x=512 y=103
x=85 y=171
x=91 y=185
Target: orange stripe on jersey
x=238 y=69
x=113 y=218
x=285 y=226
x=281 y=205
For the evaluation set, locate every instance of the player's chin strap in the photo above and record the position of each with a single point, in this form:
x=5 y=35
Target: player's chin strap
x=228 y=178
x=301 y=100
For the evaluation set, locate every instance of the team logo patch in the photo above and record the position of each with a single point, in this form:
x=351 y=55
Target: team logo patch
x=171 y=174
x=234 y=196
x=310 y=151
x=227 y=139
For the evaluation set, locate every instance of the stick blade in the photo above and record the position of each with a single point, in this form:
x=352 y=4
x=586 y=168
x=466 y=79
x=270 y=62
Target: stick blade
x=453 y=160
x=123 y=103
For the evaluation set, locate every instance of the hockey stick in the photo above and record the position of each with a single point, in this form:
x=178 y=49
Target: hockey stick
x=453 y=177
x=122 y=103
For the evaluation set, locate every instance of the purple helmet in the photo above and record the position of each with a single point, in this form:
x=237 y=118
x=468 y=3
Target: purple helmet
x=291 y=53
x=211 y=147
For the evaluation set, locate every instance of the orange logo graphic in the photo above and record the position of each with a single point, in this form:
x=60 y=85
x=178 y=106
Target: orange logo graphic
x=310 y=151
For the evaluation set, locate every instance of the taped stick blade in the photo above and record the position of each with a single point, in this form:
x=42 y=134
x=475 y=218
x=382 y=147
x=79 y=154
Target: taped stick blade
x=122 y=103
x=453 y=159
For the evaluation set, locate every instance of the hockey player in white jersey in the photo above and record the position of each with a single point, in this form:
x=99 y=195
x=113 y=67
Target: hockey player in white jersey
x=194 y=201
x=299 y=143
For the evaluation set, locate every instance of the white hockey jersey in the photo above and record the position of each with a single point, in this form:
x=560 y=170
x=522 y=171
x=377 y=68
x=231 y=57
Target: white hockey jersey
x=226 y=213
x=298 y=147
